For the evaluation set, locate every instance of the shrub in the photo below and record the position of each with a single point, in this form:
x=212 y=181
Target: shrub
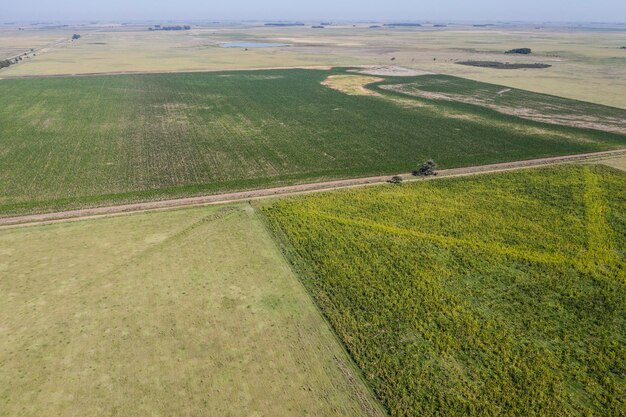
x=426 y=169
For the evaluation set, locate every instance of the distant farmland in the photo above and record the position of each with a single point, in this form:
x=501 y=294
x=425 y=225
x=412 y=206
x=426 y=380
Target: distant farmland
x=496 y=295
x=80 y=141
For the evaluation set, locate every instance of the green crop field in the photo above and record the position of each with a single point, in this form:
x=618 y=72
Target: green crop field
x=83 y=141
x=523 y=103
x=496 y=295
x=179 y=313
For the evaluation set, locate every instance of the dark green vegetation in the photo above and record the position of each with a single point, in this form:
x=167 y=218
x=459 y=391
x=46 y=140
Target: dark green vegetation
x=284 y=24
x=502 y=65
x=80 y=141
x=498 y=295
x=522 y=103
x=523 y=51
x=400 y=25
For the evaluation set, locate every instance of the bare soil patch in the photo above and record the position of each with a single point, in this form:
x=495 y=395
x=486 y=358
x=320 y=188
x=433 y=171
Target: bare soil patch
x=391 y=70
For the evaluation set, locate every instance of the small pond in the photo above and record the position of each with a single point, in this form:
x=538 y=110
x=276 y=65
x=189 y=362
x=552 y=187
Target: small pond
x=251 y=44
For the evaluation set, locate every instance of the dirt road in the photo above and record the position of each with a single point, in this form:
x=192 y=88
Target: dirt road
x=288 y=190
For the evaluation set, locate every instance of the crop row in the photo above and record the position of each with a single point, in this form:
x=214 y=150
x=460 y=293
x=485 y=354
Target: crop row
x=87 y=140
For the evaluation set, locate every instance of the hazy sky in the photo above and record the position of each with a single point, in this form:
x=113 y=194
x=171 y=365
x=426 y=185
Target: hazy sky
x=531 y=10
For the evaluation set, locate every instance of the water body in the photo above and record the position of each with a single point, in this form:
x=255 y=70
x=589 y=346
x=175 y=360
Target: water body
x=251 y=44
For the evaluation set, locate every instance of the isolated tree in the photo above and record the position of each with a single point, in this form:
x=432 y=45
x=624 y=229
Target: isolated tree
x=426 y=169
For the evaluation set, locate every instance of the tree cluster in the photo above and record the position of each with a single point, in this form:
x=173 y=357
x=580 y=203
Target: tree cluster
x=523 y=51
x=176 y=27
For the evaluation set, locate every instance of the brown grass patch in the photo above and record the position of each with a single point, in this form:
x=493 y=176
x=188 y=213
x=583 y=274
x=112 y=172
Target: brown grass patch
x=353 y=85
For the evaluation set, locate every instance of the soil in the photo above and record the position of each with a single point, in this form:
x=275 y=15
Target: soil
x=391 y=70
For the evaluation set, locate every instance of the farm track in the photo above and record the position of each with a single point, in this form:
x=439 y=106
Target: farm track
x=73 y=215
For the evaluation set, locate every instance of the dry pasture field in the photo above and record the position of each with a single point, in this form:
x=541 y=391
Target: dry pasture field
x=186 y=312
x=586 y=65
x=618 y=162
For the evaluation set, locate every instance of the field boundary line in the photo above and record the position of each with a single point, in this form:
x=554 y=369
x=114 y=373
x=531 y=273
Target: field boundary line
x=156 y=72
x=242 y=196
x=350 y=370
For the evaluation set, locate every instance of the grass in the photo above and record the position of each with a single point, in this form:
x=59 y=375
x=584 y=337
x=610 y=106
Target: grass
x=14 y=42
x=619 y=163
x=586 y=64
x=84 y=141
x=496 y=295
x=158 y=51
x=187 y=312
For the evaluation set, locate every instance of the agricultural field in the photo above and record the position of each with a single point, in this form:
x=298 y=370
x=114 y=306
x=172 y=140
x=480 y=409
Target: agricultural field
x=14 y=42
x=84 y=141
x=539 y=107
x=471 y=293
x=586 y=64
x=618 y=162
x=501 y=294
x=186 y=312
